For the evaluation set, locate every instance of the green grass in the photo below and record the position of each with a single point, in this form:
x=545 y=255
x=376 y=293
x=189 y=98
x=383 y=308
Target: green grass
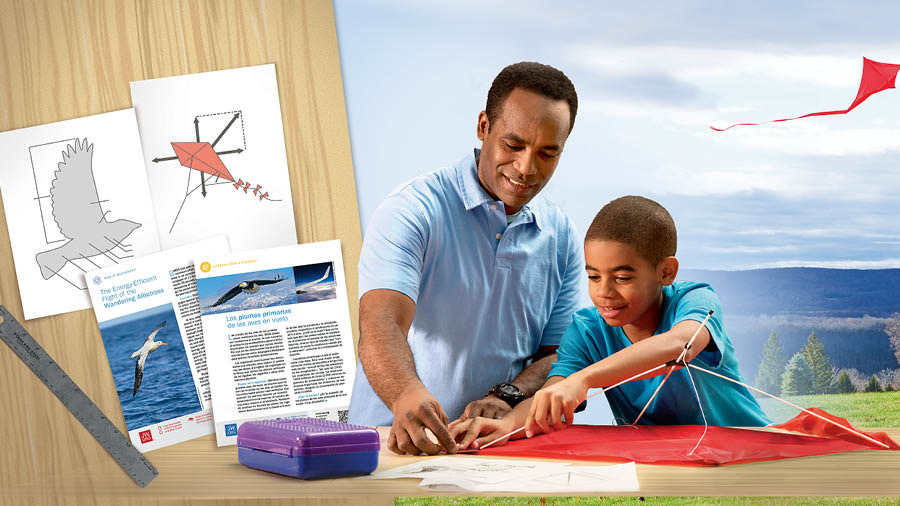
x=566 y=501
x=879 y=409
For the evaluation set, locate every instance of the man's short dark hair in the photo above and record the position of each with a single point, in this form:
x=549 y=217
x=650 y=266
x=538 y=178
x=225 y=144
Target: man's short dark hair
x=640 y=222
x=532 y=76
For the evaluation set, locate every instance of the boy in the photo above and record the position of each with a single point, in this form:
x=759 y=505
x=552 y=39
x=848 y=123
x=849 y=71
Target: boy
x=641 y=319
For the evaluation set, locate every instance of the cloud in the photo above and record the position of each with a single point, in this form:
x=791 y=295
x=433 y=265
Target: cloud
x=888 y=263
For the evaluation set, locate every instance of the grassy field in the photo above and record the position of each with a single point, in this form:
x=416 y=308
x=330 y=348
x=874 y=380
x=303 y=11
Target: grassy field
x=881 y=409
x=566 y=501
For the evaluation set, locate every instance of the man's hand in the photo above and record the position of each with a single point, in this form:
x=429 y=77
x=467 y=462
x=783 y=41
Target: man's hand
x=477 y=431
x=489 y=407
x=415 y=410
x=553 y=402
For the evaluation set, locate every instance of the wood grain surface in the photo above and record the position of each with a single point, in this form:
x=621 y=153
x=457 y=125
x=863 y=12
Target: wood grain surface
x=67 y=59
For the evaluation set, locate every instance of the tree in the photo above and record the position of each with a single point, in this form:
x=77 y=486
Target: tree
x=771 y=367
x=873 y=385
x=892 y=329
x=814 y=353
x=798 y=376
x=843 y=383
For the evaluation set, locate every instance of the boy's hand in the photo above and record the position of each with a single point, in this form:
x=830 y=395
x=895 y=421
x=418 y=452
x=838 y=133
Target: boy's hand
x=479 y=431
x=551 y=403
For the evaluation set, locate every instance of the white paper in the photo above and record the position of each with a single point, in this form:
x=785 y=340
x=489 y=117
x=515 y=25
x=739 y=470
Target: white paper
x=238 y=115
x=98 y=213
x=278 y=338
x=171 y=401
x=470 y=474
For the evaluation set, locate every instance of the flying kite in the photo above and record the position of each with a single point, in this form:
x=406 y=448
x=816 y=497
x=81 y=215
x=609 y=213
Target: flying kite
x=79 y=215
x=876 y=76
x=150 y=345
x=203 y=157
x=246 y=287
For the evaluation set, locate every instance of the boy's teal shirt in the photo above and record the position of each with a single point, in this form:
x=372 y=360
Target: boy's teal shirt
x=589 y=339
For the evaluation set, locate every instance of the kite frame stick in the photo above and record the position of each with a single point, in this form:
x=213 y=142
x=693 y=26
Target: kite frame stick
x=879 y=443
x=520 y=429
x=672 y=368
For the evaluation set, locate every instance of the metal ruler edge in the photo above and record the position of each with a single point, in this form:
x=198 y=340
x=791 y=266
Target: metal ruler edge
x=75 y=400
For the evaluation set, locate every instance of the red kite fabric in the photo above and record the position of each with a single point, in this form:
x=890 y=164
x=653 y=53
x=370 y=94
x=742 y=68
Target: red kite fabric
x=201 y=156
x=670 y=444
x=876 y=77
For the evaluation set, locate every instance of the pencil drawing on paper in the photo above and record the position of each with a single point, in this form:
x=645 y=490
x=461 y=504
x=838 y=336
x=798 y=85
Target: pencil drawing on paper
x=203 y=158
x=72 y=213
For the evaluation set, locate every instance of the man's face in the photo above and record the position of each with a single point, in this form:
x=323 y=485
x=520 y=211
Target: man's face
x=521 y=148
x=625 y=287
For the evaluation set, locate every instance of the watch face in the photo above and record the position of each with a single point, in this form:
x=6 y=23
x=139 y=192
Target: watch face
x=509 y=389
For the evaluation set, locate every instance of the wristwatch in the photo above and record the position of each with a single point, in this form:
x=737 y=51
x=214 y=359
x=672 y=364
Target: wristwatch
x=508 y=393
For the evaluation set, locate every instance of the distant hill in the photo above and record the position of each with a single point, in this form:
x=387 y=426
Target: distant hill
x=844 y=307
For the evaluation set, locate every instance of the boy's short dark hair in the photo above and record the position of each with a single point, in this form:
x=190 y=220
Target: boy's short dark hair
x=532 y=76
x=640 y=222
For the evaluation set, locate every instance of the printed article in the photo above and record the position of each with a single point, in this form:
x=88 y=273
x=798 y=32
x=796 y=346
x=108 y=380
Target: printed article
x=276 y=325
x=149 y=319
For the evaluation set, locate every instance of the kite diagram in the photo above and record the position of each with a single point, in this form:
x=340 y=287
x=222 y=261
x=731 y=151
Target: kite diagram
x=203 y=158
x=876 y=76
x=74 y=216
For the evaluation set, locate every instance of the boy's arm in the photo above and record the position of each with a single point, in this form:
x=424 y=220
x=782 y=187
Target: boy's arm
x=479 y=431
x=549 y=404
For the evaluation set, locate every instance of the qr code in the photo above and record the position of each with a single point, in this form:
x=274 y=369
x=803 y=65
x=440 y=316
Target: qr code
x=342 y=415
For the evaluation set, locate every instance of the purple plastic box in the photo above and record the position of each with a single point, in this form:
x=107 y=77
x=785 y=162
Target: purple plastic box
x=308 y=447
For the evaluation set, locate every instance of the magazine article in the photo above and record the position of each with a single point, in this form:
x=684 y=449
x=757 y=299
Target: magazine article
x=279 y=344
x=149 y=319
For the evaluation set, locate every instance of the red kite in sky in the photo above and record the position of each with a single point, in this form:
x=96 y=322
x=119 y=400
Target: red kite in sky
x=876 y=76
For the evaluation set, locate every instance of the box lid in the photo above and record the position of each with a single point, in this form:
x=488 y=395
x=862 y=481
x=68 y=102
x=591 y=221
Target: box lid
x=307 y=436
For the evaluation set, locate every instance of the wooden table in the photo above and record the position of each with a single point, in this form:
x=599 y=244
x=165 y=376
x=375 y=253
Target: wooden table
x=67 y=59
x=196 y=471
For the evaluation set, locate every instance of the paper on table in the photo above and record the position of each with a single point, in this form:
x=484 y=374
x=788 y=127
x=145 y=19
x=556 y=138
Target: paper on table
x=149 y=318
x=76 y=198
x=501 y=475
x=215 y=157
x=279 y=344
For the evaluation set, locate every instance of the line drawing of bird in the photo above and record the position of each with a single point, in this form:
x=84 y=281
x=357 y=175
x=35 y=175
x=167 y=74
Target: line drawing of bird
x=79 y=215
x=246 y=287
x=149 y=346
x=303 y=288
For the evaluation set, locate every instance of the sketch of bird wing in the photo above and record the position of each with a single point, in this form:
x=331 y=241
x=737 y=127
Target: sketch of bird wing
x=230 y=294
x=73 y=193
x=261 y=282
x=311 y=283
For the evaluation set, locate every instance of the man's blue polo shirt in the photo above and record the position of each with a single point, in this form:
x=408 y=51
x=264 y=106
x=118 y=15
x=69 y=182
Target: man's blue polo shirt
x=487 y=294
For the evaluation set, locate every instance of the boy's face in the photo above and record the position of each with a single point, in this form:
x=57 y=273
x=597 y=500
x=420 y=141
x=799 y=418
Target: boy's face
x=625 y=287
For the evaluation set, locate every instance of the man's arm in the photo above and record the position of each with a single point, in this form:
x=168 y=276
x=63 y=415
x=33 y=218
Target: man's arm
x=384 y=320
x=528 y=382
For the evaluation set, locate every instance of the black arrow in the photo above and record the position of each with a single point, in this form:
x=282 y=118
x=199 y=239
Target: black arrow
x=238 y=150
x=202 y=184
x=158 y=159
x=226 y=128
x=197 y=128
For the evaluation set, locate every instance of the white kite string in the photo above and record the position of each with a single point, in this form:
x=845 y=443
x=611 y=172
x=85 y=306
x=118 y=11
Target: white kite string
x=702 y=413
x=520 y=429
x=879 y=443
x=672 y=368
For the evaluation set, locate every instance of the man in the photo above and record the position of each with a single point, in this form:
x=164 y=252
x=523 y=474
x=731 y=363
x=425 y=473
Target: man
x=464 y=276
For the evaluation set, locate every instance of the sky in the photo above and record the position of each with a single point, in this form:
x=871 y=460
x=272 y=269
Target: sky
x=651 y=79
